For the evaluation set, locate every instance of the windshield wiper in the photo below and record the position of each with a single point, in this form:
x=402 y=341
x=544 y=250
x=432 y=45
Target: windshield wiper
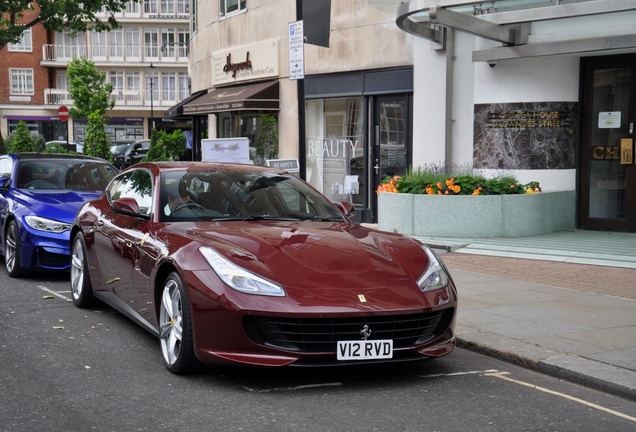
x=255 y=218
x=323 y=219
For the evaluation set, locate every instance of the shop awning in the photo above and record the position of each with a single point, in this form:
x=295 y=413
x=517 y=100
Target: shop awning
x=177 y=110
x=254 y=97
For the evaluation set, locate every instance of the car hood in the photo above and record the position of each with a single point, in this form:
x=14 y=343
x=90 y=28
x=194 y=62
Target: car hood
x=319 y=254
x=58 y=205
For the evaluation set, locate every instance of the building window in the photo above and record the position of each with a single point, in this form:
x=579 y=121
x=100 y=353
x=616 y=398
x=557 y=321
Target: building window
x=193 y=16
x=116 y=44
x=132 y=7
x=117 y=81
x=167 y=7
x=150 y=7
x=183 y=7
x=168 y=38
x=68 y=46
x=231 y=7
x=99 y=44
x=184 y=85
x=168 y=86
x=133 y=43
x=21 y=81
x=151 y=39
x=25 y=44
x=183 y=43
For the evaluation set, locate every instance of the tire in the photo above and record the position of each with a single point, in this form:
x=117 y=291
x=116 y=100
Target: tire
x=12 y=251
x=175 y=327
x=81 y=288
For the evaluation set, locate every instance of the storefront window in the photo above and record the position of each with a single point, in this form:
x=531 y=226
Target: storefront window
x=335 y=150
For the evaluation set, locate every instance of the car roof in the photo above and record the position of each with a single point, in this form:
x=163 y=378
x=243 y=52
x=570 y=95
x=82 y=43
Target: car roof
x=33 y=155
x=208 y=166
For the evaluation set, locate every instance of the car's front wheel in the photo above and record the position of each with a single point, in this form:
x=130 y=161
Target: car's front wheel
x=175 y=327
x=12 y=251
x=81 y=288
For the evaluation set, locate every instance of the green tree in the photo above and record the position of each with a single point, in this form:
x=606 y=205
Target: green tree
x=166 y=146
x=267 y=139
x=97 y=142
x=22 y=140
x=56 y=15
x=91 y=99
x=88 y=88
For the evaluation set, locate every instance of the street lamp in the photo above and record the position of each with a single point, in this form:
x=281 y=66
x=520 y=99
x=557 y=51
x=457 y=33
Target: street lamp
x=151 y=75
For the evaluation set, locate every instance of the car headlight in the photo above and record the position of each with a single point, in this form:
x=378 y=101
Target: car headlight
x=434 y=277
x=239 y=279
x=48 y=225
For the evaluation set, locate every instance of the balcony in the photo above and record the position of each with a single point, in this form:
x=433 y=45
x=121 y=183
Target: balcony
x=171 y=55
x=162 y=99
x=164 y=9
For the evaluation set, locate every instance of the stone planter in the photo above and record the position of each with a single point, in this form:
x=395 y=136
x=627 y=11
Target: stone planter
x=476 y=216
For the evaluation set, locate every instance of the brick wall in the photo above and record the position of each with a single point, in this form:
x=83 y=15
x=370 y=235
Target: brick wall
x=30 y=60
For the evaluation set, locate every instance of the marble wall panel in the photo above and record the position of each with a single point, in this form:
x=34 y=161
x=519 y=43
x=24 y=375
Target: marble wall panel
x=526 y=135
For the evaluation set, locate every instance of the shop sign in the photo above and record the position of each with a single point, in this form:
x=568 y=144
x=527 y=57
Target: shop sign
x=247 y=63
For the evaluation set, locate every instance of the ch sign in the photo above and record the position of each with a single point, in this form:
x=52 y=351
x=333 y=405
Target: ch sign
x=62 y=113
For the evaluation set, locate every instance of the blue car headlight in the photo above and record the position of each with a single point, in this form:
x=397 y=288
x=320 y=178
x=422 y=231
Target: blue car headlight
x=240 y=279
x=48 y=225
x=435 y=276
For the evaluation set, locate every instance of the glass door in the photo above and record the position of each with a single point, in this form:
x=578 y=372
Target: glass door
x=391 y=140
x=608 y=174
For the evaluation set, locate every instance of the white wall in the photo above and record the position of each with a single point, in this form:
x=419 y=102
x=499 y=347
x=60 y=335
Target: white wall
x=553 y=79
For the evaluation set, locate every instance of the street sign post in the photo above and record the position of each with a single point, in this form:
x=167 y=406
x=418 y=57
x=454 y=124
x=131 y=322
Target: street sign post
x=63 y=115
x=296 y=51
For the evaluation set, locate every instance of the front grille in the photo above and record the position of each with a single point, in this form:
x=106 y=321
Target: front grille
x=48 y=259
x=322 y=334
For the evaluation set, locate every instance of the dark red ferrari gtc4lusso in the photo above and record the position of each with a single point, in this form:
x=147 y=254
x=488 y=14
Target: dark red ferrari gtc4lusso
x=242 y=264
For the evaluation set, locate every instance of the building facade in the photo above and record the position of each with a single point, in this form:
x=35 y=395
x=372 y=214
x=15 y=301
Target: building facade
x=146 y=61
x=357 y=90
x=542 y=89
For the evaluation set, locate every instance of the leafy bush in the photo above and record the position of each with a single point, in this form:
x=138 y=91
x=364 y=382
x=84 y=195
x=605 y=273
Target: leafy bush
x=166 y=146
x=21 y=140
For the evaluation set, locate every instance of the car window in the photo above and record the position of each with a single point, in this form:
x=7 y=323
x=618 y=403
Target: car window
x=235 y=195
x=136 y=184
x=67 y=174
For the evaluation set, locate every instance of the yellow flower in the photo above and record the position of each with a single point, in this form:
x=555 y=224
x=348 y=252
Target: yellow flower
x=456 y=189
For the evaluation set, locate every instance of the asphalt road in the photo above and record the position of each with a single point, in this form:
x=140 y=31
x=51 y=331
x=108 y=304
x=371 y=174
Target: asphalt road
x=66 y=369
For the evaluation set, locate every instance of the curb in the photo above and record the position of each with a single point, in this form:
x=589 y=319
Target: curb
x=591 y=373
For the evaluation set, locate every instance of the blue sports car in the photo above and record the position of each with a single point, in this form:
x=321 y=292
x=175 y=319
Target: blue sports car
x=40 y=195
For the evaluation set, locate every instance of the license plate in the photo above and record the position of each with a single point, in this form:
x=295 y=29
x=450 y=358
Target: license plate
x=365 y=350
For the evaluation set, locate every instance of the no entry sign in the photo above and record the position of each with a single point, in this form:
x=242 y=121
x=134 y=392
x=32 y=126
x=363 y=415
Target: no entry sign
x=62 y=113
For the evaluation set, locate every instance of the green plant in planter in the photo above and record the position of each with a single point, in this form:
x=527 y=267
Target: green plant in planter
x=454 y=180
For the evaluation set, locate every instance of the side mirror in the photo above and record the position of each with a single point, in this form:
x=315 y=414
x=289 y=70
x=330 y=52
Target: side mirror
x=127 y=206
x=346 y=208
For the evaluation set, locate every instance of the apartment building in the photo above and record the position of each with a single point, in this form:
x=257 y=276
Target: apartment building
x=146 y=61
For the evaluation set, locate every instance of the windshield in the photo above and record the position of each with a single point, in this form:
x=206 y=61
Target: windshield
x=119 y=148
x=68 y=174
x=218 y=196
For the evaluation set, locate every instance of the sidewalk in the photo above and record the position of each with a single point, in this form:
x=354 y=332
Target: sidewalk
x=563 y=304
